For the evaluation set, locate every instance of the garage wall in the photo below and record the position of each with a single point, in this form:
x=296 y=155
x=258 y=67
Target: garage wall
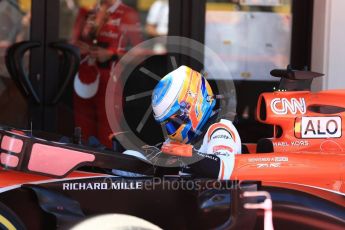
x=328 y=52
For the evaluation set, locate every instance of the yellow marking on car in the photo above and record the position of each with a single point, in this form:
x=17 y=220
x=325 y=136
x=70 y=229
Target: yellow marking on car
x=5 y=222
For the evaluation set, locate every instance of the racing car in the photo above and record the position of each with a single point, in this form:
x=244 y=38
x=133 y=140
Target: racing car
x=301 y=166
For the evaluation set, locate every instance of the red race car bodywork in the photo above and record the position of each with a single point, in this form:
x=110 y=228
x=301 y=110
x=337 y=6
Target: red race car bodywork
x=305 y=155
x=306 y=152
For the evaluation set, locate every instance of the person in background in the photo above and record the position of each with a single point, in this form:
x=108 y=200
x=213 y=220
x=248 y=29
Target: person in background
x=158 y=18
x=11 y=18
x=103 y=35
x=13 y=23
x=157 y=24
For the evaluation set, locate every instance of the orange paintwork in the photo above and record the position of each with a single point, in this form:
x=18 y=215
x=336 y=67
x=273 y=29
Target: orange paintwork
x=316 y=164
x=177 y=149
x=290 y=123
x=322 y=170
x=309 y=161
x=313 y=165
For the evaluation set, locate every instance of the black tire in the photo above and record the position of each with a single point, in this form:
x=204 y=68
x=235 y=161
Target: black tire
x=9 y=220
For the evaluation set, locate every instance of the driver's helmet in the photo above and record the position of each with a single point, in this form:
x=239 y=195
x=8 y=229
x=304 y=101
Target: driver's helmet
x=183 y=102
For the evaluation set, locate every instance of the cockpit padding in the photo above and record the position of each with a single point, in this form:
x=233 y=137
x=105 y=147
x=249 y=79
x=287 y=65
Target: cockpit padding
x=264 y=146
x=245 y=149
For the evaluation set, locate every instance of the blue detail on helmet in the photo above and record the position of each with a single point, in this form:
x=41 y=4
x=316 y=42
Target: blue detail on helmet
x=207 y=114
x=171 y=128
x=203 y=87
x=160 y=90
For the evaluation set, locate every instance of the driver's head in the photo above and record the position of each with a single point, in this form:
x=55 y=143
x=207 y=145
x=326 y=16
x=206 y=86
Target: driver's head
x=183 y=102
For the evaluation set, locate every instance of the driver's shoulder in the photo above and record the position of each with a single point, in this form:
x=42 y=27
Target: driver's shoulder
x=222 y=125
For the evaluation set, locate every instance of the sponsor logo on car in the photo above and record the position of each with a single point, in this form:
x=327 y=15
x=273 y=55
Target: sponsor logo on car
x=268 y=159
x=284 y=106
x=116 y=185
x=268 y=162
x=320 y=127
x=296 y=143
x=270 y=165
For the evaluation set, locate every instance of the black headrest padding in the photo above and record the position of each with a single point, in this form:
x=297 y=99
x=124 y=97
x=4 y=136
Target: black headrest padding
x=245 y=149
x=264 y=146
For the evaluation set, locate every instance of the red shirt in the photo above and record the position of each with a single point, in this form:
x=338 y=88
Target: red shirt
x=121 y=29
x=118 y=31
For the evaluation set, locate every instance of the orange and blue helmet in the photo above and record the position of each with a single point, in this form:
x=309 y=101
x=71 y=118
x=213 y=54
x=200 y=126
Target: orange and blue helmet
x=182 y=102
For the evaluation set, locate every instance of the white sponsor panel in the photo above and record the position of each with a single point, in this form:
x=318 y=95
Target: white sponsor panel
x=321 y=127
x=283 y=106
